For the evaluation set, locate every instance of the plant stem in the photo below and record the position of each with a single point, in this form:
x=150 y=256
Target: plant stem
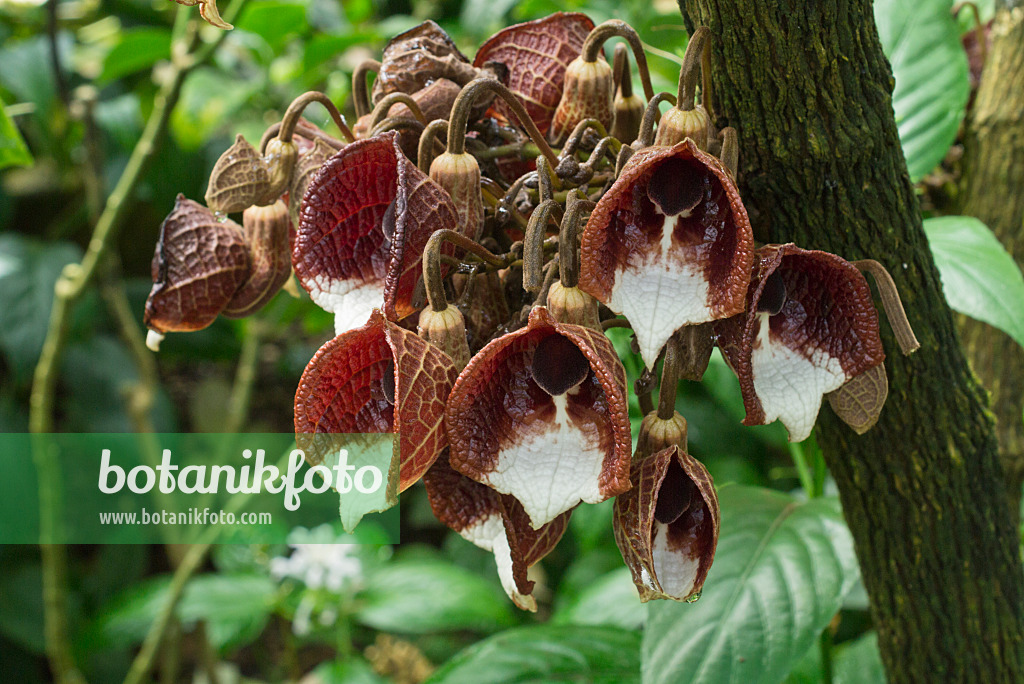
x=291 y=116
x=245 y=378
x=380 y=112
x=432 y=263
x=616 y=27
x=69 y=288
x=693 y=60
x=360 y=96
x=646 y=135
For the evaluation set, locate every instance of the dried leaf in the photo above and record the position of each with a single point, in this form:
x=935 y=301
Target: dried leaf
x=416 y=58
x=810 y=326
x=536 y=54
x=668 y=245
x=199 y=265
x=859 y=402
x=550 y=452
x=345 y=389
x=666 y=526
x=364 y=221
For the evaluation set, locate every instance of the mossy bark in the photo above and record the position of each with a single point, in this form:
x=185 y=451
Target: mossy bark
x=993 y=191
x=808 y=88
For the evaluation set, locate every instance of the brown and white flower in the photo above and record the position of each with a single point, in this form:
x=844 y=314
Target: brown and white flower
x=494 y=522
x=378 y=378
x=668 y=245
x=809 y=328
x=540 y=413
x=666 y=526
x=365 y=218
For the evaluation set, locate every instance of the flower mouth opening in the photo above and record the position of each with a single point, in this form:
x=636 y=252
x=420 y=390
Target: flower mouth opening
x=773 y=295
x=677 y=186
x=558 y=365
x=675 y=496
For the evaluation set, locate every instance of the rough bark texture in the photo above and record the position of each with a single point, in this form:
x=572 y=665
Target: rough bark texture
x=993 y=191
x=808 y=88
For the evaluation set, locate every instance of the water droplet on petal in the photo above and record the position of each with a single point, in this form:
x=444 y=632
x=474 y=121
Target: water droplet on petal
x=694 y=597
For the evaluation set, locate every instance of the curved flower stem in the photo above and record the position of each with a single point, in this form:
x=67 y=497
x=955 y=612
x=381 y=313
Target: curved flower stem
x=692 y=60
x=360 y=94
x=620 y=161
x=603 y=145
x=432 y=263
x=705 y=83
x=464 y=103
x=620 y=72
x=643 y=387
x=572 y=143
x=312 y=133
x=533 y=243
x=610 y=29
x=380 y=112
x=568 y=237
x=546 y=179
x=550 y=273
x=892 y=304
x=291 y=116
x=730 y=149
x=646 y=135
x=610 y=323
x=669 y=380
x=425 y=154
x=397 y=123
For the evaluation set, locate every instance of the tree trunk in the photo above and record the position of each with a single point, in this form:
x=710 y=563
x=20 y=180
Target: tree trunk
x=993 y=191
x=810 y=92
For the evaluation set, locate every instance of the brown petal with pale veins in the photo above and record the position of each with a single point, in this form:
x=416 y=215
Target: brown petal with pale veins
x=494 y=522
x=416 y=58
x=536 y=54
x=666 y=526
x=810 y=327
x=668 y=245
x=365 y=219
x=548 y=451
x=198 y=266
x=239 y=179
x=344 y=390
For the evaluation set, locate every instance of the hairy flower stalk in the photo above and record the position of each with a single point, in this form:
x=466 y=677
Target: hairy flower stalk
x=685 y=119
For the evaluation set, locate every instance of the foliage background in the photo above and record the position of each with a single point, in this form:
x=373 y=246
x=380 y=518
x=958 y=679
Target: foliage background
x=784 y=600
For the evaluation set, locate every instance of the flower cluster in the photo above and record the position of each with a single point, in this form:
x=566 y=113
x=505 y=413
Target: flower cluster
x=476 y=232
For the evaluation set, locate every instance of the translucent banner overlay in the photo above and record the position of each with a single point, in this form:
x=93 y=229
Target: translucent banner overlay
x=123 y=488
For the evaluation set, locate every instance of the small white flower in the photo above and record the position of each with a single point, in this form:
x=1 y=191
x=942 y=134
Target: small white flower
x=321 y=564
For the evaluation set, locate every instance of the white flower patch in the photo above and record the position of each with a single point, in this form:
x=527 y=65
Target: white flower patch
x=351 y=301
x=551 y=470
x=660 y=295
x=676 y=573
x=790 y=385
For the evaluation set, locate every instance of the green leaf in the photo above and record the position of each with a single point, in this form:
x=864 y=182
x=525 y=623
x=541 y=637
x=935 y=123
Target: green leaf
x=235 y=608
x=28 y=271
x=138 y=49
x=21 y=606
x=979 y=277
x=610 y=600
x=13 y=151
x=858 y=662
x=423 y=595
x=547 y=654
x=352 y=670
x=272 y=21
x=922 y=41
x=780 y=574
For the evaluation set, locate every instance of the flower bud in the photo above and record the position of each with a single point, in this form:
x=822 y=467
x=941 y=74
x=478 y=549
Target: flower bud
x=280 y=159
x=573 y=305
x=307 y=165
x=266 y=234
x=586 y=94
x=677 y=125
x=658 y=433
x=446 y=330
x=239 y=179
x=459 y=175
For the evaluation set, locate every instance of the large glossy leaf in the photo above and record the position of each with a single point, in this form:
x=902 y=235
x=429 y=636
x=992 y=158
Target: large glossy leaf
x=922 y=41
x=12 y=147
x=781 y=571
x=979 y=277
x=548 y=654
x=609 y=600
x=422 y=595
x=859 y=662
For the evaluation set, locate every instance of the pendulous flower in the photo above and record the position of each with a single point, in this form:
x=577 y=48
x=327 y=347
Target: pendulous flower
x=809 y=328
x=668 y=245
x=666 y=526
x=378 y=378
x=540 y=413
